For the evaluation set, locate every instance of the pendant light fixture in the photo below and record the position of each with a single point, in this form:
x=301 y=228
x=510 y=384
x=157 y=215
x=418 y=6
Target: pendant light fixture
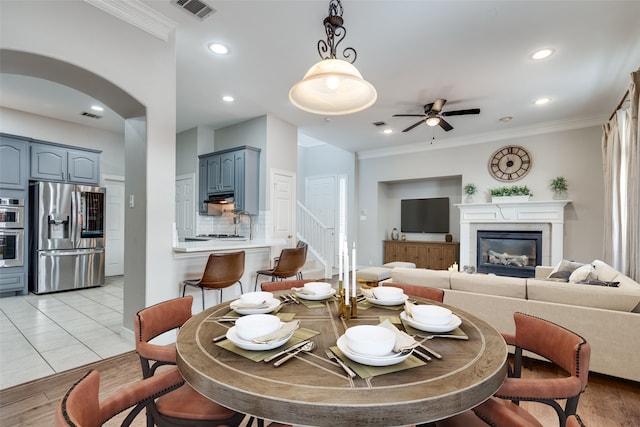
x=333 y=86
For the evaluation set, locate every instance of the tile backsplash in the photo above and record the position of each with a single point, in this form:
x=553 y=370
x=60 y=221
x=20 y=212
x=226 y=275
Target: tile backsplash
x=248 y=226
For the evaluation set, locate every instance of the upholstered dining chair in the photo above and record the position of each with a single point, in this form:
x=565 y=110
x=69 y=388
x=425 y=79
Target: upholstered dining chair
x=492 y=412
x=221 y=271
x=435 y=294
x=81 y=407
x=283 y=285
x=574 y=421
x=289 y=264
x=183 y=406
x=559 y=345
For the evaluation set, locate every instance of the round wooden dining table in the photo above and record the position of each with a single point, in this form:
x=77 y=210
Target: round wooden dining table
x=313 y=390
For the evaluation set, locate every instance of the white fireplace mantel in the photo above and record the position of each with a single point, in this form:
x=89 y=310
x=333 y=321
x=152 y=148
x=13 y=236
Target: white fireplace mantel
x=520 y=215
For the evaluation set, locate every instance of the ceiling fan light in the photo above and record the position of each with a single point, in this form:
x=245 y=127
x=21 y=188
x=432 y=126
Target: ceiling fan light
x=433 y=121
x=333 y=87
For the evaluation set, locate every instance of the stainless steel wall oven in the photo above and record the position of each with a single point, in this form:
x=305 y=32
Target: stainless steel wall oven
x=11 y=232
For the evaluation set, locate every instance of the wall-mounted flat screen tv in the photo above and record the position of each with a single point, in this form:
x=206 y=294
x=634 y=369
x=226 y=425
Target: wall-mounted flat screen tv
x=424 y=215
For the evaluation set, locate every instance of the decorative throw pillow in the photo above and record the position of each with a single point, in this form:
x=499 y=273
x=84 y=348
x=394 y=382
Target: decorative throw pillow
x=587 y=271
x=599 y=283
x=566 y=265
x=560 y=276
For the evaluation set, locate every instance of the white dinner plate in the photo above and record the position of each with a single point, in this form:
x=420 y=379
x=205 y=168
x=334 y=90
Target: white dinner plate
x=388 y=302
x=454 y=323
x=316 y=297
x=232 y=336
x=391 y=359
x=273 y=304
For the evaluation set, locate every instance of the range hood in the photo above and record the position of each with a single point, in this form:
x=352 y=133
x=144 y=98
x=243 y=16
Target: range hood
x=217 y=204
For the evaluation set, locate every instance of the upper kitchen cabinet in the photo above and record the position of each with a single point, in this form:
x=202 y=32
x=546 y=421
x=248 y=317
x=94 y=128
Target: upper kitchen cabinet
x=13 y=162
x=220 y=173
x=233 y=171
x=64 y=164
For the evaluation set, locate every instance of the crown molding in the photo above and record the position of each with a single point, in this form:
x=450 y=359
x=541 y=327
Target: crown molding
x=537 y=129
x=139 y=15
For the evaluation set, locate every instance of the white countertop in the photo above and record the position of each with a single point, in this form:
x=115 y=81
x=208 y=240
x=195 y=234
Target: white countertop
x=225 y=245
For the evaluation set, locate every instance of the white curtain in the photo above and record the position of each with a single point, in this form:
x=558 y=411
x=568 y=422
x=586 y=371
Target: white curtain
x=621 y=164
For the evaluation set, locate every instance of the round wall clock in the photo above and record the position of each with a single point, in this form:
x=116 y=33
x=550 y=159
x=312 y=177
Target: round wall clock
x=510 y=163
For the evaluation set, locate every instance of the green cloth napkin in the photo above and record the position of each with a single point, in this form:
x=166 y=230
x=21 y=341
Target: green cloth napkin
x=299 y=335
x=366 y=371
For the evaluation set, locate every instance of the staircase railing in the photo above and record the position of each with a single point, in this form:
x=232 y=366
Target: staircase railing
x=319 y=238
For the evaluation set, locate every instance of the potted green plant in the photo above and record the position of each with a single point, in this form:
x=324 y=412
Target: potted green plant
x=513 y=194
x=469 y=191
x=559 y=186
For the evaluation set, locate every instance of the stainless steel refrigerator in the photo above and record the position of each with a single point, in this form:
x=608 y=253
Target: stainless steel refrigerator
x=67 y=224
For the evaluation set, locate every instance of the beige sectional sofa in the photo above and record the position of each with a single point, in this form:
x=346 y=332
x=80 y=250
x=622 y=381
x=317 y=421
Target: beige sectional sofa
x=607 y=317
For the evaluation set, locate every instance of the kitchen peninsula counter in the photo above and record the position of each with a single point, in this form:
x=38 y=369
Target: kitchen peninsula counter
x=215 y=245
x=191 y=258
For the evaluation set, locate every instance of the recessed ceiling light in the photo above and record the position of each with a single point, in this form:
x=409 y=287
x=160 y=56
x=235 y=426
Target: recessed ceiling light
x=542 y=101
x=227 y=98
x=97 y=108
x=505 y=119
x=542 y=53
x=218 y=48
x=387 y=131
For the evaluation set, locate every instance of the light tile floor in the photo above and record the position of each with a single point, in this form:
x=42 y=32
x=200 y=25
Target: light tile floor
x=44 y=334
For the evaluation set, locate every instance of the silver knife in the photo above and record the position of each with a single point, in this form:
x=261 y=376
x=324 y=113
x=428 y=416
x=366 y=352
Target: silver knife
x=286 y=350
x=331 y=355
x=433 y=352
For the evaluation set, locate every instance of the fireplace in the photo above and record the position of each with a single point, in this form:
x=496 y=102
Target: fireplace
x=509 y=253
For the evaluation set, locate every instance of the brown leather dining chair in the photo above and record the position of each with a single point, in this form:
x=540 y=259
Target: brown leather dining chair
x=221 y=271
x=564 y=348
x=434 y=294
x=283 y=285
x=492 y=412
x=289 y=264
x=81 y=407
x=183 y=406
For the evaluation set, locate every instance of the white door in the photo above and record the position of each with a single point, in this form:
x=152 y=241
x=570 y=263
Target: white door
x=185 y=205
x=114 y=242
x=321 y=200
x=283 y=193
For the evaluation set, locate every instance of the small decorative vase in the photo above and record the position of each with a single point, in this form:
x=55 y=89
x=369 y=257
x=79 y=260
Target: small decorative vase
x=394 y=234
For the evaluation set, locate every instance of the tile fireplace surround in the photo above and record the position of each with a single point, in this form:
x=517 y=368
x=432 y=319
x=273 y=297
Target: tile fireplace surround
x=545 y=216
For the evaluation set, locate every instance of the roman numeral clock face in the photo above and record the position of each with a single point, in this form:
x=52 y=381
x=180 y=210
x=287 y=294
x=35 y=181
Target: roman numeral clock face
x=510 y=163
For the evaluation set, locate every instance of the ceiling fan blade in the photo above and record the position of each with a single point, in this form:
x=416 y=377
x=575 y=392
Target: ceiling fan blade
x=408 y=115
x=445 y=125
x=437 y=106
x=461 y=112
x=428 y=108
x=413 y=125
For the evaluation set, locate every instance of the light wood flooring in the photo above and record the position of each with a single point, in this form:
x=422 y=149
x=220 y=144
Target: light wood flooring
x=607 y=402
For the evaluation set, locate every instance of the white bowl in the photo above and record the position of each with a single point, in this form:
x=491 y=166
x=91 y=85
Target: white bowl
x=318 y=288
x=255 y=297
x=256 y=325
x=431 y=314
x=388 y=293
x=370 y=340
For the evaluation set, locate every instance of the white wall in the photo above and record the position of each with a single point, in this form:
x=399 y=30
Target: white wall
x=102 y=48
x=573 y=154
x=44 y=128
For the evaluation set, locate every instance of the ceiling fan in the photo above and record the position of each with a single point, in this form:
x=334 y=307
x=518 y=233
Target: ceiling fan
x=433 y=115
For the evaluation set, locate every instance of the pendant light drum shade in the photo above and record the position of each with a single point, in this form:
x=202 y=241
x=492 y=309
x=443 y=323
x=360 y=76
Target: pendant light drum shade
x=333 y=87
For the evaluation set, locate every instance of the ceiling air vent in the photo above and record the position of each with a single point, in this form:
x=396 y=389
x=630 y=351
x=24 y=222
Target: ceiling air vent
x=93 y=116
x=195 y=7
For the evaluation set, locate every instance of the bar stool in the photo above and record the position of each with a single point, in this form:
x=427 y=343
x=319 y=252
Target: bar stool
x=289 y=264
x=222 y=271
